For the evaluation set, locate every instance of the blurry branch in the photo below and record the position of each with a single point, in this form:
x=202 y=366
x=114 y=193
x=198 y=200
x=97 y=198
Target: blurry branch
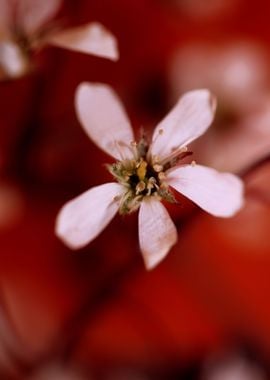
x=257 y=192
x=13 y=356
x=32 y=122
x=244 y=174
x=29 y=130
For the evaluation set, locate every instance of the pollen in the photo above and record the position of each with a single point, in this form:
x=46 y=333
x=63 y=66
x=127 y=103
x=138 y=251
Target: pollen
x=142 y=176
x=141 y=170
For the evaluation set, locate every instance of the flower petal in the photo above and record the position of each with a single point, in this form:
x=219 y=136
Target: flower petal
x=91 y=38
x=157 y=232
x=82 y=219
x=104 y=119
x=188 y=120
x=220 y=194
x=12 y=62
x=33 y=14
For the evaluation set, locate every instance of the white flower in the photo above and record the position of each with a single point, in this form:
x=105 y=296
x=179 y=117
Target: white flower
x=146 y=173
x=25 y=28
x=241 y=82
x=233 y=368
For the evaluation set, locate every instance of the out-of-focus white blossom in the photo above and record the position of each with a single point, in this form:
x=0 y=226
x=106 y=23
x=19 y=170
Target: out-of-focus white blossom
x=25 y=28
x=238 y=74
x=236 y=368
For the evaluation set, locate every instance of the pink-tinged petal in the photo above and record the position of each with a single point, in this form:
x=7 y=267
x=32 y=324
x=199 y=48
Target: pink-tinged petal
x=33 y=14
x=239 y=77
x=104 y=119
x=220 y=194
x=90 y=39
x=188 y=120
x=237 y=147
x=13 y=64
x=82 y=219
x=157 y=232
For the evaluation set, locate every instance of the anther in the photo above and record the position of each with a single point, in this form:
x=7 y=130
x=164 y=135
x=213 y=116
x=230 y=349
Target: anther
x=155 y=159
x=141 y=169
x=193 y=163
x=161 y=176
x=151 y=184
x=158 y=168
x=140 y=187
x=152 y=181
x=163 y=186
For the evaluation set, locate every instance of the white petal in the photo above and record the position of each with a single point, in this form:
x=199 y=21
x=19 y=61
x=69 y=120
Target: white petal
x=90 y=39
x=33 y=14
x=82 y=219
x=12 y=62
x=188 y=120
x=157 y=232
x=220 y=194
x=104 y=119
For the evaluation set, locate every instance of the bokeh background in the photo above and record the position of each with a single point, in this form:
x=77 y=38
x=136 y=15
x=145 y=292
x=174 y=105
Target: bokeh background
x=204 y=312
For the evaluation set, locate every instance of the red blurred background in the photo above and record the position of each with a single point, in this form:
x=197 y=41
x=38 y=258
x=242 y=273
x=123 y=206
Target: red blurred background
x=97 y=313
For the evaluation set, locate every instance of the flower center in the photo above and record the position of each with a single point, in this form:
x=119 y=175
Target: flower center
x=141 y=177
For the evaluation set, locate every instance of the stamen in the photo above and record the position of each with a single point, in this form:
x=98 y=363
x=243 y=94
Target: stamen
x=141 y=170
x=151 y=184
x=134 y=148
x=143 y=175
x=163 y=186
x=158 y=168
x=131 y=147
x=140 y=187
x=118 y=147
x=193 y=163
x=174 y=153
x=155 y=159
x=161 y=176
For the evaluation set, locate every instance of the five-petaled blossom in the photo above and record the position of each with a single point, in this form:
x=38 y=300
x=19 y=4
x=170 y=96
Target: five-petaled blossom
x=146 y=173
x=25 y=27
